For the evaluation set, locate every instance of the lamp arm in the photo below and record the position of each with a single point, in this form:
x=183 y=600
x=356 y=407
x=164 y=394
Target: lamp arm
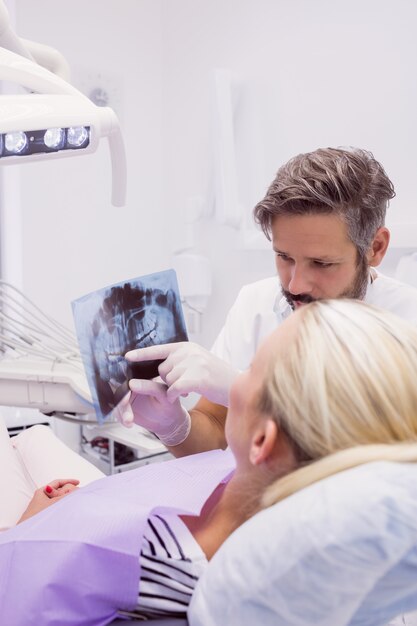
x=49 y=58
x=29 y=74
x=8 y=38
x=46 y=56
x=110 y=126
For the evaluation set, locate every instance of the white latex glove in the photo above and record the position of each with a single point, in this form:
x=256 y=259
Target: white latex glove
x=147 y=405
x=187 y=368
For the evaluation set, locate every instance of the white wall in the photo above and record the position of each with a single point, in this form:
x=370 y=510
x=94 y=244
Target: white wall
x=306 y=74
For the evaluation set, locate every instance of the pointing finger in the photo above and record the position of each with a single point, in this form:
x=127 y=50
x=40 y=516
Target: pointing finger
x=152 y=353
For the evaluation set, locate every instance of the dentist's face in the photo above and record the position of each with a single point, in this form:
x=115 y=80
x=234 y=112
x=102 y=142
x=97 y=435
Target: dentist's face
x=315 y=259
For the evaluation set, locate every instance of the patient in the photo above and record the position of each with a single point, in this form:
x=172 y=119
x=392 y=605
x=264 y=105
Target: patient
x=331 y=388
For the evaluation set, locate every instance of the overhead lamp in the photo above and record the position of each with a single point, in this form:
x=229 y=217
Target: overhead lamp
x=44 y=141
x=54 y=121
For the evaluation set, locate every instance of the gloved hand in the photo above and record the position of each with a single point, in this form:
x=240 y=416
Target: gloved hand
x=188 y=367
x=147 y=405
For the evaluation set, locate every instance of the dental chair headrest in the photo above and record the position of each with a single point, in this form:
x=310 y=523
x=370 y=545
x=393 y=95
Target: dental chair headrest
x=342 y=551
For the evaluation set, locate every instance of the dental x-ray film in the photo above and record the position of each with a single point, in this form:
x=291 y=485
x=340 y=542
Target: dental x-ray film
x=132 y=314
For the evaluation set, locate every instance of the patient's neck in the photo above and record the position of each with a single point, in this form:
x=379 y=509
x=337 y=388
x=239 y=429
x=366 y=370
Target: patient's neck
x=228 y=507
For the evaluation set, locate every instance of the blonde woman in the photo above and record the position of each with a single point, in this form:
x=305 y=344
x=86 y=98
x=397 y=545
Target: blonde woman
x=332 y=388
x=343 y=392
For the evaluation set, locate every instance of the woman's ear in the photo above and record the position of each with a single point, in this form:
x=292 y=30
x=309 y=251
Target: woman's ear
x=263 y=442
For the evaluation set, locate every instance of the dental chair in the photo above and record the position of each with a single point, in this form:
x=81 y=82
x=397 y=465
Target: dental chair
x=340 y=552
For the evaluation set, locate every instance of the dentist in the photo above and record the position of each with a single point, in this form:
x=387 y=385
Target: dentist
x=325 y=216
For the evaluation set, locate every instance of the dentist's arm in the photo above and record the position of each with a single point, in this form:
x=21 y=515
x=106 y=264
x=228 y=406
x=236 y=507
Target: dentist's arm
x=181 y=431
x=207 y=429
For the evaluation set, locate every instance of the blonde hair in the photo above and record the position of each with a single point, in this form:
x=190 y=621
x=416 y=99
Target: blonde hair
x=344 y=393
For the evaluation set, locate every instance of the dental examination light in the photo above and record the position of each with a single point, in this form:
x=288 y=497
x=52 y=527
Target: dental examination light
x=40 y=364
x=54 y=121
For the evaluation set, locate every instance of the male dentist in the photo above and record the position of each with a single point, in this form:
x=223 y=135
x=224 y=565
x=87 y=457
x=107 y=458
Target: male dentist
x=325 y=215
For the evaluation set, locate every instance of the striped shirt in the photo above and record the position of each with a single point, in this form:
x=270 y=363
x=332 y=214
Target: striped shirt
x=171 y=563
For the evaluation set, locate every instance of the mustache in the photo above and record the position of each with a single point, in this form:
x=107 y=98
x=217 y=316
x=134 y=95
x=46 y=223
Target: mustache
x=301 y=297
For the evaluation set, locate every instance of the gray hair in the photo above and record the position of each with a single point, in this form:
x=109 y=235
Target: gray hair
x=350 y=183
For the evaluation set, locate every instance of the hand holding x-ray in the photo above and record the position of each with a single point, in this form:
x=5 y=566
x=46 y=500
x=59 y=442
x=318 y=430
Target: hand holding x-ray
x=188 y=367
x=147 y=405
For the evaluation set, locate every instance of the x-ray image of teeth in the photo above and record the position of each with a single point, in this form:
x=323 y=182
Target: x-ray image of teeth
x=132 y=314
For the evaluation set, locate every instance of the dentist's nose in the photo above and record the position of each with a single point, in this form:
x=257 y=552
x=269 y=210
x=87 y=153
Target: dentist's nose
x=299 y=281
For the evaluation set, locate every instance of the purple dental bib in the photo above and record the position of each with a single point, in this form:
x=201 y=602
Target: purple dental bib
x=77 y=562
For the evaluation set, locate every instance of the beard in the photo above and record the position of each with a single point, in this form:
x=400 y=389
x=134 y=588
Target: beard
x=356 y=290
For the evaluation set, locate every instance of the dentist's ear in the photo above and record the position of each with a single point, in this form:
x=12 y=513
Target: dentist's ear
x=378 y=247
x=263 y=442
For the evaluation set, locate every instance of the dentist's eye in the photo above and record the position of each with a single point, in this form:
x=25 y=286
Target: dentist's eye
x=283 y=257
